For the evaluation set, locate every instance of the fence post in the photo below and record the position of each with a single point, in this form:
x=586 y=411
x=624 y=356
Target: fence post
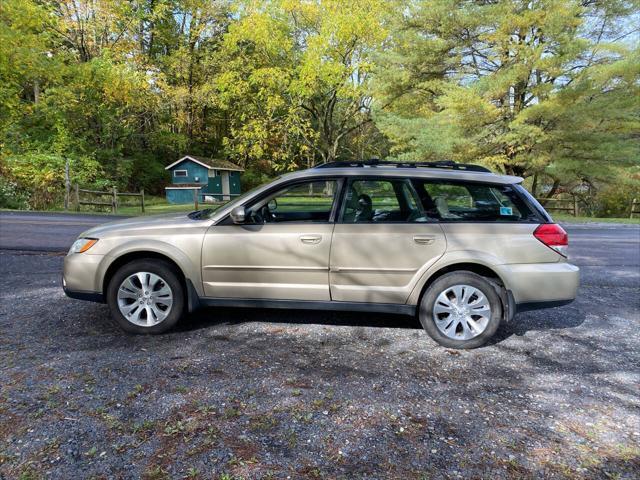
x=114 y=200
x=575 y=206
x=77 y=198
x=67 y=184
x=195 y=198
x=634 y=202
x=142 y=199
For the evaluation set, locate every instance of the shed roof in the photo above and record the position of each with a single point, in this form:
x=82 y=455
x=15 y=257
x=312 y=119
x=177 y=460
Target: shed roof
x=210 y=163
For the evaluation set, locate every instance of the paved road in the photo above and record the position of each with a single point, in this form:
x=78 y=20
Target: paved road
x=313 y=394
x=45 y=232
x=55 y=232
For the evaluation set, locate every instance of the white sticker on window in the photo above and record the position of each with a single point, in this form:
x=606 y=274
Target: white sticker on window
x=506 y=211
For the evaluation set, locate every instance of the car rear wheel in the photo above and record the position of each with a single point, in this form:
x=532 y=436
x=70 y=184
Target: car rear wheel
x=461 y=310
x=146 y=296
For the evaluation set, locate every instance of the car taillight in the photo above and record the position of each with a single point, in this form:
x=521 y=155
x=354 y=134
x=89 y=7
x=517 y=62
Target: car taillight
x=553 y=236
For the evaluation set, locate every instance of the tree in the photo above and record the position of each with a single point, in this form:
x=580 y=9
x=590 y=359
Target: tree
x=122 y=83
x=295 y=78
x=186 y=66
x=528 y=87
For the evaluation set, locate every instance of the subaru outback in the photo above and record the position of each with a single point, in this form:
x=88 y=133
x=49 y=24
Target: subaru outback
x=458 y=246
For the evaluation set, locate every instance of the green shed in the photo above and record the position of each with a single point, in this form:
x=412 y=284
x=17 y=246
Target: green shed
x=213 y=180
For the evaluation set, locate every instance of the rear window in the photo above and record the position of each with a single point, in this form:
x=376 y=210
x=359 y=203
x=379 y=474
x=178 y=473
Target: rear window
x=473 y=202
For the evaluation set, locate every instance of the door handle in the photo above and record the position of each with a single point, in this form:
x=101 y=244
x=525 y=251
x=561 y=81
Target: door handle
x=424 y=239
x=311 y=239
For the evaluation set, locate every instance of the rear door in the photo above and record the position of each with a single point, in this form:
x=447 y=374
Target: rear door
x=382 y=243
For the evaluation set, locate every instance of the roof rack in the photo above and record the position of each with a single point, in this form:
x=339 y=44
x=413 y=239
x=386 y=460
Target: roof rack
x=445 y=164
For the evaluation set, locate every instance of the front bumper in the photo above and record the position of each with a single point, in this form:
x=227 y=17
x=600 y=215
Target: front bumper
x=80 y=277
x=541 y=284
x=80 y=295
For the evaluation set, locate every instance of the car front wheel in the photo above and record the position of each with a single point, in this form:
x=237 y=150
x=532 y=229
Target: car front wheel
x=146 y=296
x=461 y=310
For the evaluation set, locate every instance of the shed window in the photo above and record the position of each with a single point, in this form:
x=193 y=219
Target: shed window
x=212 y=174
x=180 y=173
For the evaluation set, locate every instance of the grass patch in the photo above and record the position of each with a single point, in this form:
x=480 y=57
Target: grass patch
x=155 y=209
x=564 y=218
x=153 y=206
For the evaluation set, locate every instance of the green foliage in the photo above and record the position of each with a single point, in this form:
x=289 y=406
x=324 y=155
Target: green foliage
x=42 y=176
x=546 y=89
x=11 y=196
x=253 y=178
x=295 y=79
x=615 y=200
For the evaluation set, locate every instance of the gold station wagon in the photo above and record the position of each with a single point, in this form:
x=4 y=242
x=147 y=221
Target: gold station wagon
x=460 y=247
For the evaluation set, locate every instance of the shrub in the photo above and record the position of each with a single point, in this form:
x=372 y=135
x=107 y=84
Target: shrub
x=41 y=175
x=615 y=201
x=253 y=178
x=11 y=196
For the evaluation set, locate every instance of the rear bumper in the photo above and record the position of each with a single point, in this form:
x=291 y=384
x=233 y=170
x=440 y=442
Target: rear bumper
x=541 y=285
x=525 y=307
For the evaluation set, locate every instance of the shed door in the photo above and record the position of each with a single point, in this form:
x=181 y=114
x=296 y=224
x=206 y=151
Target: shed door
x=225 y=186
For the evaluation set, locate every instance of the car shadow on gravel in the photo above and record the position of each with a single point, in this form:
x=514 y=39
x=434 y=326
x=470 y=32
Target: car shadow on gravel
x=548 y=319
x=552 y=319
x=210 y=317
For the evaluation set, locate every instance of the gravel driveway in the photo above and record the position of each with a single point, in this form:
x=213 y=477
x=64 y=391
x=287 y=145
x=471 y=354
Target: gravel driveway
x=249 y=394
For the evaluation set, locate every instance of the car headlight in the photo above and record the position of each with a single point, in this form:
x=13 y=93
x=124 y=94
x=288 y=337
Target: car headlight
x=81 y=245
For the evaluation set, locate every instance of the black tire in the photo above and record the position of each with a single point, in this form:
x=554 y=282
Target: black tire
x=168 y=274
x=487 y=287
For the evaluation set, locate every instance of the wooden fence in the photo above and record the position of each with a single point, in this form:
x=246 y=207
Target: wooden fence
x=569 y=205
x=99 y=198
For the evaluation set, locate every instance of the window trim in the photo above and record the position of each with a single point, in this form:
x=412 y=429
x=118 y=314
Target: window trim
x=186 y=173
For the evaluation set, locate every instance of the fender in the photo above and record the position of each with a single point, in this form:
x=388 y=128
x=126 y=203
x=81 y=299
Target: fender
x=190 y=268
x=451 y=258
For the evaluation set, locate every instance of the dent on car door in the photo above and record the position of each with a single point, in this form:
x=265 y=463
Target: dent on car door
x=282 y=252
x=382 y=243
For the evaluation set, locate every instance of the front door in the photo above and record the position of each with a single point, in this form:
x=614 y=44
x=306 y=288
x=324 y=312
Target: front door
x=382 y=243
x=281 y=252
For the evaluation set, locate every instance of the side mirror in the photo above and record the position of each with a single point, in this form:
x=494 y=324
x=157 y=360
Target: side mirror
x=238 y=215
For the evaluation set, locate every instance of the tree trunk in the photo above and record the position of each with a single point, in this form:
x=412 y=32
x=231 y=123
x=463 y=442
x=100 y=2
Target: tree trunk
x=554 y=189
x=36 y=91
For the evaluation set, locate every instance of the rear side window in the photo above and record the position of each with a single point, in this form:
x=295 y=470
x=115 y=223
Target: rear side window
x=449 y=201
x=381 y=201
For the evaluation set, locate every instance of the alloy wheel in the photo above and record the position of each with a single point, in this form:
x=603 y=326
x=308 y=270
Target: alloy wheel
x=145 y=299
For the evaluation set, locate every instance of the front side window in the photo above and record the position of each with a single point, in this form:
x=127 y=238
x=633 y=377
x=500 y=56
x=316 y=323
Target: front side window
x=180 y=173
x=302 y=202
x=381 y=201
x=466 y=201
